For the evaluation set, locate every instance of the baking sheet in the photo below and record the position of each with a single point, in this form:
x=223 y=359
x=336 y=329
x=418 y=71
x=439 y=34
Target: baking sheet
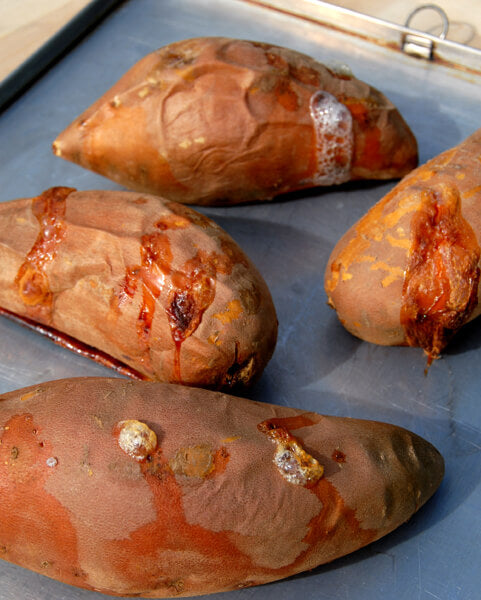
x=317 y=365
x=16 y=81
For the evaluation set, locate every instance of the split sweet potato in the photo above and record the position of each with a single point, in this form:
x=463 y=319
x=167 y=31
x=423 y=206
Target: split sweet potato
x=146 y=285
x=408 y=272
x=224 y=121
x=158 y=490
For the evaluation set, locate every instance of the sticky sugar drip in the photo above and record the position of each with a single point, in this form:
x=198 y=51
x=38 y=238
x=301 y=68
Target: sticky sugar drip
x=31 y=280
x=292 y=461
x=334 y=139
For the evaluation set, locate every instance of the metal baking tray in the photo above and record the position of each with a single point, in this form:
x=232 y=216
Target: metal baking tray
x=317 y=365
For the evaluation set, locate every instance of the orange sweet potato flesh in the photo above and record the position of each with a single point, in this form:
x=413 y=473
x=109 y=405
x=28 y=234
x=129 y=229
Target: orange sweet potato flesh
x=143 y=284
x=408 y=272
x=224 y=121
x=204 y=507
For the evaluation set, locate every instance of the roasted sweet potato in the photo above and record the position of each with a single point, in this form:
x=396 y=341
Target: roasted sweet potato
x=408 y=272
x=131 y=277
x=157 y=490
x=223 y=121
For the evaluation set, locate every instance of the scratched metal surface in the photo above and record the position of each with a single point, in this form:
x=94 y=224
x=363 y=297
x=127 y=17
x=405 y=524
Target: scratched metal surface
x=317 y=365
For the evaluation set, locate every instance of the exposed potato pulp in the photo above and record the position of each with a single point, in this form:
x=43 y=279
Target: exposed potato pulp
x=408 y=272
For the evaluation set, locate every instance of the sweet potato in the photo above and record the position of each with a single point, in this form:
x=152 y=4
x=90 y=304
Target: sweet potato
x=131 y=277
x=157 y=490
x=408 y=272
x=224 y=121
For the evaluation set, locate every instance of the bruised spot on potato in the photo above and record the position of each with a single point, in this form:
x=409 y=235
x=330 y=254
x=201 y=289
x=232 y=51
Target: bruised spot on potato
x=200 y=461
x=338 y=456
x=239 y=373
x=193 y=461
x=251 y=299
x=292 y=461
x=136 y=439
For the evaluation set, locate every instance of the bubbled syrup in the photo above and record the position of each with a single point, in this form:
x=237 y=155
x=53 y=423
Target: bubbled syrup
x=334 y=139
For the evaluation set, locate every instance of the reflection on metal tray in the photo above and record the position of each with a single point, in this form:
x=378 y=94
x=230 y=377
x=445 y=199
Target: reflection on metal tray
x=317 y=365
x=378 y=31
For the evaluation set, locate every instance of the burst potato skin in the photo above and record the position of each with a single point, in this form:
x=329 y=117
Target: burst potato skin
x=208 y=511
x=224 y=121
x=152 y=283
x=407 y=273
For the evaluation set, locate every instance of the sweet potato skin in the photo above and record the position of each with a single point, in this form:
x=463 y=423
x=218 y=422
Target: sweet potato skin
x=152 y=283
x=207 y=510
x=224 y=121
x=430 y=218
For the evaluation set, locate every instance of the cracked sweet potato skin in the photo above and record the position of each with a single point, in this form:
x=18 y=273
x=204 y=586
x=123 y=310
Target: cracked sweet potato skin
x=407 y=273
x=225 y=121
x=151 y=283
x=207 y=509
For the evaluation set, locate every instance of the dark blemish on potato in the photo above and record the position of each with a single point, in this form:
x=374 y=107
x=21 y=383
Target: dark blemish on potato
x=338 y=456
x=177 y=585
x=14 y=452
x=240 y=374
x=389 y=501
x=251 y=299
x=181 y=312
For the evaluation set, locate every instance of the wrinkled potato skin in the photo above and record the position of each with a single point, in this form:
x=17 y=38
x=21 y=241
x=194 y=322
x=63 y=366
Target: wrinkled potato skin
x=223 y=121
x=366 y=272
x=208 y=511
x=152 y=283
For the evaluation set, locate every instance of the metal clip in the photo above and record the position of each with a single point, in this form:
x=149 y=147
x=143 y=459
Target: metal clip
x=421 y=45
